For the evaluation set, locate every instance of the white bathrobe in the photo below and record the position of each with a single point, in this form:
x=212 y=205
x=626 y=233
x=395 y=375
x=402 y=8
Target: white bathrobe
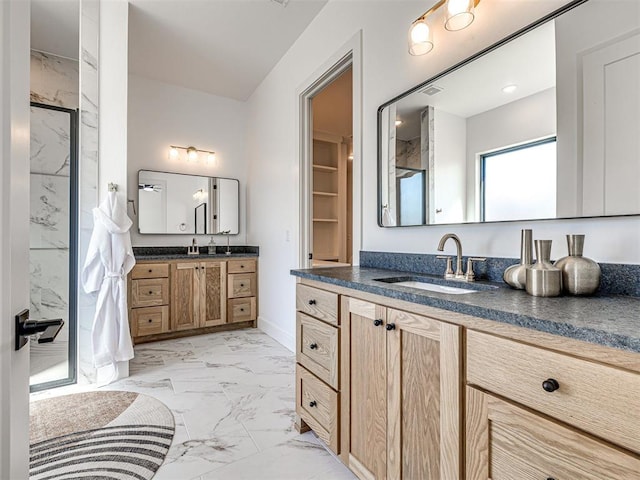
x=109 y=259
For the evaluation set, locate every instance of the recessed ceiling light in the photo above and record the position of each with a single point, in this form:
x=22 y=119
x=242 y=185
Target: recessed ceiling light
x=509 y=88
x=398 y=123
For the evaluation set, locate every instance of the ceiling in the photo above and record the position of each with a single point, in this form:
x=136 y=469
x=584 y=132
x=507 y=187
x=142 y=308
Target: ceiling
x=528 y=62
x=223 y=47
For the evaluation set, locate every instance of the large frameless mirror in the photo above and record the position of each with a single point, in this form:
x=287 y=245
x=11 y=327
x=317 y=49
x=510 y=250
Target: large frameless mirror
x=542 y=125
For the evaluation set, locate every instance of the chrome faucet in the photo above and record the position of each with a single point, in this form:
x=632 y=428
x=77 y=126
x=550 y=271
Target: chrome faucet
x=459 y=274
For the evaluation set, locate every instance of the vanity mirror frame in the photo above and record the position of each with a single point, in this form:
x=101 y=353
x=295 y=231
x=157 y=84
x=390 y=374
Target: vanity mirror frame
x=206 y=212
x=380 y=202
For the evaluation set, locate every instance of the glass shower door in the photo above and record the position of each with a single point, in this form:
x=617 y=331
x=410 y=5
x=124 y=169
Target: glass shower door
x=52 y=242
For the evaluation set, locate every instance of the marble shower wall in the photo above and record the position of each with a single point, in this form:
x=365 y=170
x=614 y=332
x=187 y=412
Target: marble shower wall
x=54 y=81
x=88 y=173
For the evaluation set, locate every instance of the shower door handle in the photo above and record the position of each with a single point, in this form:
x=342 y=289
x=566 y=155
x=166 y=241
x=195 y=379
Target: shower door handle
x=26 y=327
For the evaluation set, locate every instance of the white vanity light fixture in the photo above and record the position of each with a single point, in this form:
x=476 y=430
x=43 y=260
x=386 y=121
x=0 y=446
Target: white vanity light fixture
x=191 y=154
x=459 y=14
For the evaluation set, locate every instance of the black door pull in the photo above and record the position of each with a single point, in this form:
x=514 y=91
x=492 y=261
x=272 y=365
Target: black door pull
x=26 y=327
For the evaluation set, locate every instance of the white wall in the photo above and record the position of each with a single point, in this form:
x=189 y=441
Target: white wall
x=450 y=168
x=161 y=115
x=387 y=71
x=530 y=118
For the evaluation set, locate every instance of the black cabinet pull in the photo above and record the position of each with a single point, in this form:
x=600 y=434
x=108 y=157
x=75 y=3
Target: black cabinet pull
x=377 y=322
x=550 y=385
x=150 y=320
x=312 y=302
x=313 y=403
x=313 y=346
x=150 y=270
x=242 y=309
x=241 y=266
x=550 y=478
x=242 y=284
x=391 y=326
x=150 y=292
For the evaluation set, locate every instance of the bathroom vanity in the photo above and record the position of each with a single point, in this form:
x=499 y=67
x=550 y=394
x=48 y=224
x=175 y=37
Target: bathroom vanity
x=402 y=382
x=173 y=294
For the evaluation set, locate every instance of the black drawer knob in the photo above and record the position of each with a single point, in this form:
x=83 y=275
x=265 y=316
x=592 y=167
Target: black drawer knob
x=313 y=346
x=150 y=320
x=150 y=292
x=391 y=326
x=313 y=403
x=377 y=322
x=550 y=385
x=242 y=284
x=150 y=270
x=241 y=266
x=242 y=309
x=312 y=302
x=550 y=478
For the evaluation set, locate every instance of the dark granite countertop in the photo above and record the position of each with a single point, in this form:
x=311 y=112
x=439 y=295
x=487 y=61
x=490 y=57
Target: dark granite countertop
x=609 y=320
x=178 y=253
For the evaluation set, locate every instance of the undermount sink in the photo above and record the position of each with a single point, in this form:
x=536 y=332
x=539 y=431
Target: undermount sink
x=434 y=285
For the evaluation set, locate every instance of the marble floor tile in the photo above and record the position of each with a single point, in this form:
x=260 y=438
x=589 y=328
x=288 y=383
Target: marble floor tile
x=233 y=398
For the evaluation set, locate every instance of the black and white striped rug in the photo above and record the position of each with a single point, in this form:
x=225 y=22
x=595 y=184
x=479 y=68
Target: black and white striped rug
x=99 y=435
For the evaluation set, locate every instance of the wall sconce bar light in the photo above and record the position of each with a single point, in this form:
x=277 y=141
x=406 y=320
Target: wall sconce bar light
x=459 y=14
x=191 y=154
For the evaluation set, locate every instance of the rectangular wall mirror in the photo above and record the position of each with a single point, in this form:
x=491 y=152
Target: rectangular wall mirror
x=174 y=203
x=542 y=125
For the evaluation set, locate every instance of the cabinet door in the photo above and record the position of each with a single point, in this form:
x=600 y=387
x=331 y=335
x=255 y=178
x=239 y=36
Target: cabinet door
x=506 y=442
x=213 y=293
x=424 y=398
x=185 y=296
x=367 y=400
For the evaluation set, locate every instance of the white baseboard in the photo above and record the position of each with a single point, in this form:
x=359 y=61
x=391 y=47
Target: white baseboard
x=284 y=338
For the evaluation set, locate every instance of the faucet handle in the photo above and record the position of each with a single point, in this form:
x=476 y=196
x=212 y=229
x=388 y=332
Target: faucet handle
x=471 y=276
x=449 y=271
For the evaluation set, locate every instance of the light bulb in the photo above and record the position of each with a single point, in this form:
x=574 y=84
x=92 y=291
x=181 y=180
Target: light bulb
x=398 y=123
x=192 y=154
x=420 y=41
x=211 y=158
x=173 y=153
x=459 y=14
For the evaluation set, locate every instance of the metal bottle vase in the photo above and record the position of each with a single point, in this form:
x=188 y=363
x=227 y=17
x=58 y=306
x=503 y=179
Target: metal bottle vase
x=580 y=275
x=543 y=279
x=516 y=275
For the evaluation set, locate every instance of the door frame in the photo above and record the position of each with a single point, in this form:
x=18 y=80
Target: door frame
x=14 y=250
x=348 y=56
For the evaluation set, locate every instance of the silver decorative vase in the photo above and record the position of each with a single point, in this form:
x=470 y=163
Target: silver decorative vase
x=580 y=275
x=516 y=275
x=543 y=279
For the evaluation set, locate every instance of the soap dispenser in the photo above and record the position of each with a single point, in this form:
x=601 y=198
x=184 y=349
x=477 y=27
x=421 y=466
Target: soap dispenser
x=211 y=247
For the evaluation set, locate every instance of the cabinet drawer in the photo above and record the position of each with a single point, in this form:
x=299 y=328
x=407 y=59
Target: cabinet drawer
x=317 y=405
x=317 y=303
x=241 y=309
x=523 y=445
x=148 y=292
x=150 y=270
x=242 y=285
x=317 y=348
x=601 y=400
x=241 y=266
x=149 y=321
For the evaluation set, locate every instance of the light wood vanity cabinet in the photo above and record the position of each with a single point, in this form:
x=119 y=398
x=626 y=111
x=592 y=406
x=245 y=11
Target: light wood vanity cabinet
x=414 y=392
x=547 y=414
x=198 y=294
x=402 y=401
x=186 y=297
x=317 y=354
